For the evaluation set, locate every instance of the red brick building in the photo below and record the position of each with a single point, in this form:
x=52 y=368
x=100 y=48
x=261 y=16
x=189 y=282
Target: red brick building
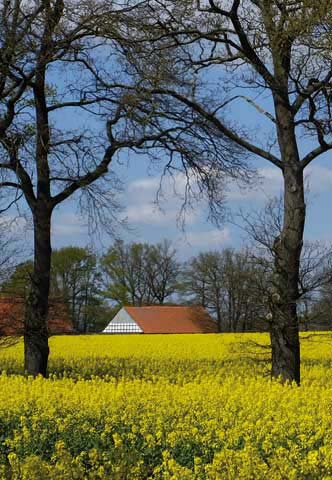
x=12 y=310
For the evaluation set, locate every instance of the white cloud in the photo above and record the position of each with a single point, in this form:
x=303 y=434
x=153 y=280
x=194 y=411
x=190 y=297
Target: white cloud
x=67 y=224
x=269 y=185
x=145 y=189
x=15 y=224
x=147 y=184
x=149 y=187
x=319 y=178
x=151 y=214
x=142 y=207
x=150 y=204
x=209 y=238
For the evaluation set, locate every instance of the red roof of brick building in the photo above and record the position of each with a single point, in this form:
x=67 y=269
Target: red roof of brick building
x=172 y=319
x=12 y=317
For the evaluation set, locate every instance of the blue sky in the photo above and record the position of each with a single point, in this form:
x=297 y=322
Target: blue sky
x=152 y=223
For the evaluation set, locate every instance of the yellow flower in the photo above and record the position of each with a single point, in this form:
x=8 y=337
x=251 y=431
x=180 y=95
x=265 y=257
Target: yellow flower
x=117 y=440
x=181 y=407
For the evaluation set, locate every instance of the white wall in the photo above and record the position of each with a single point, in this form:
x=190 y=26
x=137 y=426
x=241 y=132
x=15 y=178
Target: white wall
x=122 y=323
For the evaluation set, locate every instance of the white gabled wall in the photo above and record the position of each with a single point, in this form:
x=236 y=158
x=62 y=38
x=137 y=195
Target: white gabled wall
x=122 y=323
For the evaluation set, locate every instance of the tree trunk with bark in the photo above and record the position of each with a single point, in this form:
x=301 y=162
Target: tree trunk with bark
x=287 y=248
x=36 y=348
x=219 y=318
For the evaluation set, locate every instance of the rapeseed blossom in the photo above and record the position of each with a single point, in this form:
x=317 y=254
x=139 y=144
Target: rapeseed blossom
x=176 y=407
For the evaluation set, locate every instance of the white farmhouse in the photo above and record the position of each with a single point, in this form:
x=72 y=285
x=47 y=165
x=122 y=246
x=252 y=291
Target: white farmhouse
x=162 y=319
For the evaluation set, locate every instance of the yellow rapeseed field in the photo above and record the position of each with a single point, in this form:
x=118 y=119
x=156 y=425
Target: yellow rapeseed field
x=166 y=407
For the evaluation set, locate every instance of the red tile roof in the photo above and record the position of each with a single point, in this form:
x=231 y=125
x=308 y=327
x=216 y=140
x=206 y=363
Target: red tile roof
x=12 y=317
x=173 y=319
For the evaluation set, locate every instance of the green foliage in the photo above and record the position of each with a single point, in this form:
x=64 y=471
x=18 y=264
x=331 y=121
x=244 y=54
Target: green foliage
x=19 y=282
x=75 y=278
x=229 y=284
x=140 y=273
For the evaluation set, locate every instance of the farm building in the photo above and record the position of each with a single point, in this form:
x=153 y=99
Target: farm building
x=12 y=317
x=162 y=319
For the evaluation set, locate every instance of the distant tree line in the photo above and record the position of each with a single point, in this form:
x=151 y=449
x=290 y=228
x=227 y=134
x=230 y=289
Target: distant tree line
x=235 y=286
x=75 y=283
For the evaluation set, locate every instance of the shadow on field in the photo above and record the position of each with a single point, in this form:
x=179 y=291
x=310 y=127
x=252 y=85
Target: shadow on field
x=244 y=358
x=172 y=370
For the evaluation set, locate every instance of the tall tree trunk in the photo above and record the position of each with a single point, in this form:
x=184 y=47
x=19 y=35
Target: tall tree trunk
x=36 y=348
x=219 y=318
x=229 y=300
x=287 y=248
